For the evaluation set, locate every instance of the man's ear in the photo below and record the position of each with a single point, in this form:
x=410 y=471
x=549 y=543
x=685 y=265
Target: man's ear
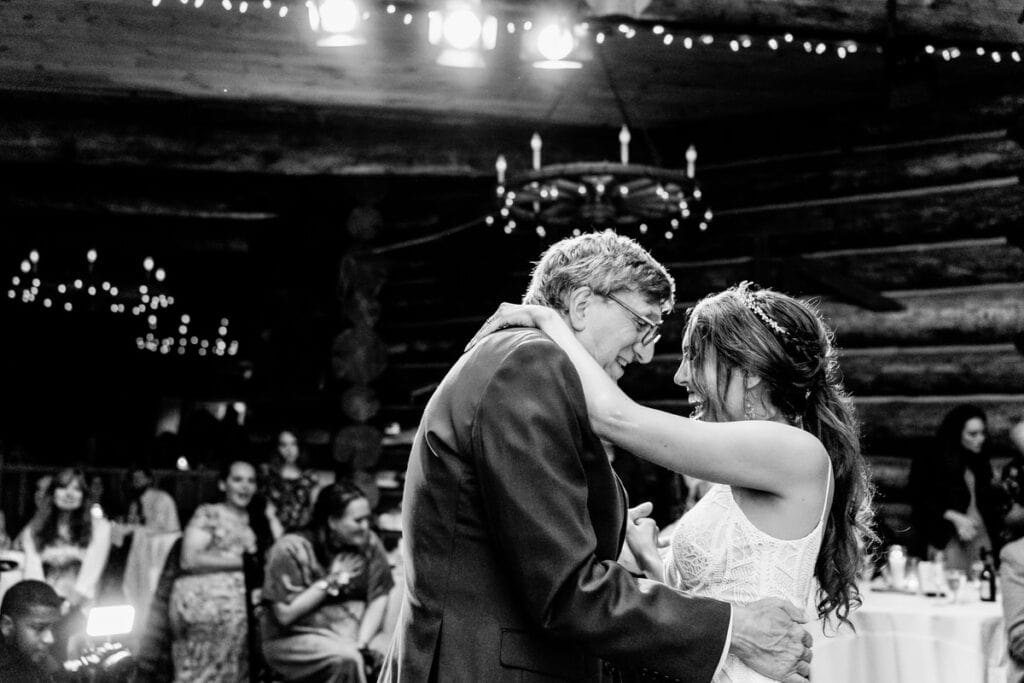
x=6 y=625
x=580 y=301
x=222 y=486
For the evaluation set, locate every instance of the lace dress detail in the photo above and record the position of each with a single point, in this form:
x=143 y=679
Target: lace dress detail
x=717 y=552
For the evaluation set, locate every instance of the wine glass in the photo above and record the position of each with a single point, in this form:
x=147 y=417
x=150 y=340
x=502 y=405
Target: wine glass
x=954 y=579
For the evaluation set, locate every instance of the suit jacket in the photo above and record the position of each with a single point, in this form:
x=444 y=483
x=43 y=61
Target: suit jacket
x=513 y=520
x=1011 y=580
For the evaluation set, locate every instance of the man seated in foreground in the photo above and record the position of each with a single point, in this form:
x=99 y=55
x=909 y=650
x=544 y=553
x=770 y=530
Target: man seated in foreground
x=29 y=611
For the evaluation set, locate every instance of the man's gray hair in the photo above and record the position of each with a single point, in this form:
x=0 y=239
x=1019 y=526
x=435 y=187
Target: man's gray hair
x=603 y=261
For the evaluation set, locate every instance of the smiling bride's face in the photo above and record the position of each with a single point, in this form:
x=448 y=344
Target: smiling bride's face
x=711 y=402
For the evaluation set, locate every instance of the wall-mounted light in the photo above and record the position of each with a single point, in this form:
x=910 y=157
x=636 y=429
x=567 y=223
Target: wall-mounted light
x=464 y=32
x=337 y=23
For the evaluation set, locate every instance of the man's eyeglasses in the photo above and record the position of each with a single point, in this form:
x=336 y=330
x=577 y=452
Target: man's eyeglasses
x=653 y=332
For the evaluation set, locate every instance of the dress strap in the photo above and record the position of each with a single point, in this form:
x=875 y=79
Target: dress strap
x=829 y=483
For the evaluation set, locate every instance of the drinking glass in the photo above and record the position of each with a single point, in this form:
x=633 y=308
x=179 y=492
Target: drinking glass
x=954 y=579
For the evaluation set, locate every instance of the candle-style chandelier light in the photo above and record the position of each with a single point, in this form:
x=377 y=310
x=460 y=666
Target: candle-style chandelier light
x=86 y=288
x=562 y=199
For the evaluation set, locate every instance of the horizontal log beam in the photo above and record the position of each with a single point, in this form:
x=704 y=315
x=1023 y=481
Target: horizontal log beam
x=920 y=371
x=430 y=289
x=858 y=170
x=970 y=315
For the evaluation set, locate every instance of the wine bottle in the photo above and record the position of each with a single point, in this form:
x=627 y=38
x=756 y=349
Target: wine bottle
x=988 y=577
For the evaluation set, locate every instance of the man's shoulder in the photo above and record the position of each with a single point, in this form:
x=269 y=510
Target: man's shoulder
x=517 y=346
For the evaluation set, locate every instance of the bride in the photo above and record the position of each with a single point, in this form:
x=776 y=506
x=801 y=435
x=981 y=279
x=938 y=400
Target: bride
x=776 y=433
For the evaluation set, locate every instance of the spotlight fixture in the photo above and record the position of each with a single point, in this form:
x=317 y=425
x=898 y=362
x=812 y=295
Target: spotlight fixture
x=463 y=32
x=337 y=23
x=555 y=44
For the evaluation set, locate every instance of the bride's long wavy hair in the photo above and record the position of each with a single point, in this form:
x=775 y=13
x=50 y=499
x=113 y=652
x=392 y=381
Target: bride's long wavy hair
x=786 y=343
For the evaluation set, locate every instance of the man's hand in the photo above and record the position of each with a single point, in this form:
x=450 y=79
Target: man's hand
x=767 y=637
x=642 y=540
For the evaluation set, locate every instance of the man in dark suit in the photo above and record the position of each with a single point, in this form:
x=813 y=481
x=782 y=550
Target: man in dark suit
x=513 y=517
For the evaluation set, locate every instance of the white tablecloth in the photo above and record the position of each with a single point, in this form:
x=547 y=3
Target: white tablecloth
x=914 y=639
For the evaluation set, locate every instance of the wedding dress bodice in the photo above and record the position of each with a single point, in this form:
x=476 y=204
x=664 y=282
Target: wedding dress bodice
x=717 y=552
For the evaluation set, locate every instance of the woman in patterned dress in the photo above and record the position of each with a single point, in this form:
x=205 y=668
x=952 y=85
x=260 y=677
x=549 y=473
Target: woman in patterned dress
x=775 y=431
x=207 y=605
x=289 y=488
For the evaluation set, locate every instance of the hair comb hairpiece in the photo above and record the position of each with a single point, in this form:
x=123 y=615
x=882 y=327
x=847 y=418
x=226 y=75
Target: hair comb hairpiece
x=757 y=309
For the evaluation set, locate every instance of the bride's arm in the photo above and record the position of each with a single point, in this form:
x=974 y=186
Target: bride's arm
x=752 y=454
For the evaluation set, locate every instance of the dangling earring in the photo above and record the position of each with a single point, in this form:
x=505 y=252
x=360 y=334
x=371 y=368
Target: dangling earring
x=748 y=407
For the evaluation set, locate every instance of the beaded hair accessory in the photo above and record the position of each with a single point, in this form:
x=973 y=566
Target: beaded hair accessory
x=755 y=307
x=788 y=340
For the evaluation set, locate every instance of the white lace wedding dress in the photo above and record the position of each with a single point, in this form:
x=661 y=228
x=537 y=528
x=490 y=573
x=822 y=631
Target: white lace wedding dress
x=717 y=552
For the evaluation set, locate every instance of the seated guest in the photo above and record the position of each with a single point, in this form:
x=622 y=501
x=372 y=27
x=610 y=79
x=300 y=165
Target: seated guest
x=208 y=601
x=327 y=589
x=67 y=547
x=150 y=508
x=28 y=614
x=152 y=524
x=287 y=485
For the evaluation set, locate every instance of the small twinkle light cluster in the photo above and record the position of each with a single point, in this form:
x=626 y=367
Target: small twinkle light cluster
x=89 y=292
x=567 y=199
x=185 y=342
x=464 y=31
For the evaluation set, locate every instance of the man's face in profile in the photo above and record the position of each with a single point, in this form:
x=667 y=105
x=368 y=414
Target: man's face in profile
x=31 y=634
x=614 y=332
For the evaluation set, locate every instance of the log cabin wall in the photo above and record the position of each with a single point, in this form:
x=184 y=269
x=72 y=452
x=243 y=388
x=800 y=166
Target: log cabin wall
x=909 y=239
x=886 y=184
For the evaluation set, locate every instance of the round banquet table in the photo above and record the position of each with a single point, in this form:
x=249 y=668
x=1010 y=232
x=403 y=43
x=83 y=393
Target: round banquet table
x=903 y=638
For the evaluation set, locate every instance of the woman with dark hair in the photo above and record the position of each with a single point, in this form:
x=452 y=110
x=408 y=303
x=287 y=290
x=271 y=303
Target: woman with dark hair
x=775 y=431
x=954 y=506
x=326 y=589
x=67 y=546
x=287 y=485
x=208 y=601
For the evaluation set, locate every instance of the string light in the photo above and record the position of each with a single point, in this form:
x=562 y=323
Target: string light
x=92 y=294
x=628 y=30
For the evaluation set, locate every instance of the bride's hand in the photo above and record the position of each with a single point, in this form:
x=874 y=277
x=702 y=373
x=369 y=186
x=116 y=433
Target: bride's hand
x=513 y=315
